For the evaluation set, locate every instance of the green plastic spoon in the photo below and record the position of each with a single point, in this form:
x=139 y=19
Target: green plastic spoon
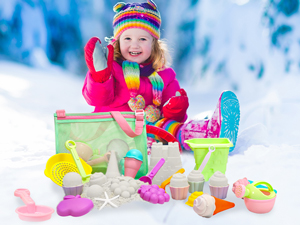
x=71 y=146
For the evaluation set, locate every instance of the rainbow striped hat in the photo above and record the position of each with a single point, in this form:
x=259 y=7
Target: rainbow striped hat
x=136 y=15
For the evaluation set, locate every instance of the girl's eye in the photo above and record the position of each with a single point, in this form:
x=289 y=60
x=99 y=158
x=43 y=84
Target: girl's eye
x=127 y=38
x=143 y=39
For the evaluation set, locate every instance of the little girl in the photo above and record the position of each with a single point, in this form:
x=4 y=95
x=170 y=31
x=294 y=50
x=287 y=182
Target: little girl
x=132 y=73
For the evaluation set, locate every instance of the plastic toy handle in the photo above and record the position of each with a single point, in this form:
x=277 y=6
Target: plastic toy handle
x=156 y=168
x=72 y=149
x=211 y=149
x=256 y=183
x=139 y=123
x=24 y=194
x=167 y=181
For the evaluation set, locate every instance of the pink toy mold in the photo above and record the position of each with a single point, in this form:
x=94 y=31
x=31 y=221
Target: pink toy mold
x=74 y=206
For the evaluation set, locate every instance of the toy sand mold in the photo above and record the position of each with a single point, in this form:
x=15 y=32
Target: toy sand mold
x=210 y=154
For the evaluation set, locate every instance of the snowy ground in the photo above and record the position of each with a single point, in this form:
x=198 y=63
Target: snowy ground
x=267 y=146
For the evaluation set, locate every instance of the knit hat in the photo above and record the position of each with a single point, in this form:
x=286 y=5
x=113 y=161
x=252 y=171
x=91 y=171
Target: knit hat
x=136 y=15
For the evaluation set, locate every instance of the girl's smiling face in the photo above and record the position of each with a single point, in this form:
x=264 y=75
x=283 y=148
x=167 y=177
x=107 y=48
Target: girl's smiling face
x=136 y=45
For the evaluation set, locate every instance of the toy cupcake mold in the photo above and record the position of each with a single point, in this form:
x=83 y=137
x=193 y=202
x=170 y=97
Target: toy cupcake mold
x=218 y=185
x=72 y=184
x=179 y=186
x=196 y=181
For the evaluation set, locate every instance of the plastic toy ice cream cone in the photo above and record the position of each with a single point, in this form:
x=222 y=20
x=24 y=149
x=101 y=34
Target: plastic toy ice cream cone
x=222 y=205
x=132 y=166
x=207 y=205
x=133 y=162
x=112 y=168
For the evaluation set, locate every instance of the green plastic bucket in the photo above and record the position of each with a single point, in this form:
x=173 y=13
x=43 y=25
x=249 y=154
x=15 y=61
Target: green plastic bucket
x=218 y=158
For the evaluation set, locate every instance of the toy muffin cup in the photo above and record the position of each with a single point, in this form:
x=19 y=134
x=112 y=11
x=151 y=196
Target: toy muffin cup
x=196 y=181
x=179 y=193
x=196 y=186
x=219 y=192
x=218 y=185
x=76 y=190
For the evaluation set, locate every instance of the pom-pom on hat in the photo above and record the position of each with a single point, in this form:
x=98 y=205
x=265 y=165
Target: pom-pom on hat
x=136 y=15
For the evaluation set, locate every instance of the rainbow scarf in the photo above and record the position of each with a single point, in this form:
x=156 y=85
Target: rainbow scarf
x=131 y=71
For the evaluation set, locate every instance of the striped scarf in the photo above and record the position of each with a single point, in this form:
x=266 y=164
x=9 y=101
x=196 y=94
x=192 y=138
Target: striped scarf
x=131 y=73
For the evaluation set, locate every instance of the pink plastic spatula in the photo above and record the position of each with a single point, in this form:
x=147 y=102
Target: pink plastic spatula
x=31 y=212
x=148 y=178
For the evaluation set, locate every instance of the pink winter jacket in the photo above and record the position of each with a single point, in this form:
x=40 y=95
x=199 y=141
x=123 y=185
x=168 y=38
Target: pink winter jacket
x=113 y=94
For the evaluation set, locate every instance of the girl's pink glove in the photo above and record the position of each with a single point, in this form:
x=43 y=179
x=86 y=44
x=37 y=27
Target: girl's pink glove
x=98 y=62
x=175 y=108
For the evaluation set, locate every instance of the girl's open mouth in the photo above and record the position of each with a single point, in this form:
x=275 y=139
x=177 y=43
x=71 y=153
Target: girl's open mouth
x=135 y=53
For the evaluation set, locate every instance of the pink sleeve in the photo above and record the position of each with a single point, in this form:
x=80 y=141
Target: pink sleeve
x=172 y=85
x=98 y=94
x=171 y=88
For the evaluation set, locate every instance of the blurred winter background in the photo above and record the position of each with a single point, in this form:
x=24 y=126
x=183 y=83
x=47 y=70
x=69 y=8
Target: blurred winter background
x=251 y=47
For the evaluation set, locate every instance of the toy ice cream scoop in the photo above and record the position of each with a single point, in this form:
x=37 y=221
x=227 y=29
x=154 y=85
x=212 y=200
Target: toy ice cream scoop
x=156 y=168
x=196 y=181
x=133 y=162
x=207 y=206
x=179 y=186
x=71 y=146
x=257 y=200
x=72 y=184
x=218 y=185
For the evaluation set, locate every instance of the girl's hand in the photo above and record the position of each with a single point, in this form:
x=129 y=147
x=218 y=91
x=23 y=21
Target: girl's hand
x=175 y=108
x=99 y=64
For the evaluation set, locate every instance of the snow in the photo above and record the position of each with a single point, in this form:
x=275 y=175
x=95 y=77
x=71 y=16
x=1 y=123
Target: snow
x=267 y=148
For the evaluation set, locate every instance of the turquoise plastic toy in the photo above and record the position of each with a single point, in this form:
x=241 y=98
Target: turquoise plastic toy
x=134 y=153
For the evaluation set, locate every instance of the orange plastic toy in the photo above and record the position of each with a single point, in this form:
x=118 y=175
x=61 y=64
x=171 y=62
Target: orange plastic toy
x=222 y=205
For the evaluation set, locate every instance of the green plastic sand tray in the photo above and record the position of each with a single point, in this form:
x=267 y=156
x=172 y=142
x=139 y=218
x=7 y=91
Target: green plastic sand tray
x=218 y=158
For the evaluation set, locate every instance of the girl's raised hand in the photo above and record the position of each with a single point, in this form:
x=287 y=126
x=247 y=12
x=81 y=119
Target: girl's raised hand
x=98 y=62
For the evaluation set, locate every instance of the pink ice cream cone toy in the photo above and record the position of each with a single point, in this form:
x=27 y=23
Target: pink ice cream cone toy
x=133 y=162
